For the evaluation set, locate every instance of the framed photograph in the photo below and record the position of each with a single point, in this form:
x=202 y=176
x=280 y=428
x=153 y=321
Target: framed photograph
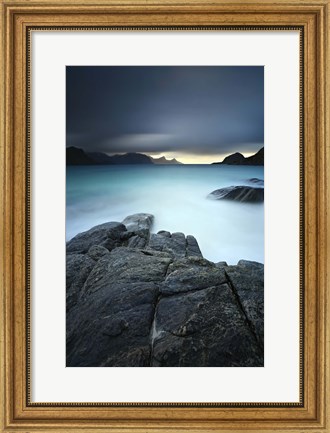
x=165 y=231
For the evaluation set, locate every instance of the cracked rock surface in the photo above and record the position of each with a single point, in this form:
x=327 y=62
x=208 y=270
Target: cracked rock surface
x=136 y=299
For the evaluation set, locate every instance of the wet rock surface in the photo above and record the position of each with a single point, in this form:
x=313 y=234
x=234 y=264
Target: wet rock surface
x=203 y=328
x=107 y=235
x=256 y=181
x=244 y=194
x=140 y=299
x=78 y=267
x=247 y=281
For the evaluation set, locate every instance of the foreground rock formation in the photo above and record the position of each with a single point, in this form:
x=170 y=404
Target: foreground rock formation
x=139 y=299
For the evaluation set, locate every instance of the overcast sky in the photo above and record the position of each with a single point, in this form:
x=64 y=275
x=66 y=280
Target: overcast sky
x=193 y=113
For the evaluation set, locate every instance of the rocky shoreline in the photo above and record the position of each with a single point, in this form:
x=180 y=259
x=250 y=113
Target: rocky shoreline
x=140 y=299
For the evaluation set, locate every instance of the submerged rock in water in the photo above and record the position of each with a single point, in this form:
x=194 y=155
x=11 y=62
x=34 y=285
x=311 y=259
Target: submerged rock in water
x=244 y=194
x=153 y=300
x=256 y=181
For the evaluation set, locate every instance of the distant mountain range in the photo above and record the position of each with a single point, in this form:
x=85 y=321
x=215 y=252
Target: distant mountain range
x=163 y=160
x=238 y=159
x=76 y=156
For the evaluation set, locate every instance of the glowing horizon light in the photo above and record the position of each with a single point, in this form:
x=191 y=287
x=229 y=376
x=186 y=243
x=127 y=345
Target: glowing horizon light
x=186 y=158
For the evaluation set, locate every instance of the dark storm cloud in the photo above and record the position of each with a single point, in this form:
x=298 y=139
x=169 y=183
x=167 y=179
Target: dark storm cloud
x=194 y=110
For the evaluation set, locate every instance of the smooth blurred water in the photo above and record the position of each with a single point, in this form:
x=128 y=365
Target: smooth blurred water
x=176 y=196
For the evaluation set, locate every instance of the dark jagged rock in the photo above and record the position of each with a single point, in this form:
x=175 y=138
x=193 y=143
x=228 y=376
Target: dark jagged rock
x=221 y=264
x=160 y=303
x=128 y=265
x=181 y=276
x=251 y=264
x=192 y=247
x=244 y=194
x=164 y=233
x=247 y=280
x=203 y=328
x=96 y=252
x=176 y=244
x=137 y=242
x=116 y=308
x=78 y=267
x=107 y=235
x=139 y=224
x=138 y=227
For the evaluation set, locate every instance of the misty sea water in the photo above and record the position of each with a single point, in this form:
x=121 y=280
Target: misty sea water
x=176 y=196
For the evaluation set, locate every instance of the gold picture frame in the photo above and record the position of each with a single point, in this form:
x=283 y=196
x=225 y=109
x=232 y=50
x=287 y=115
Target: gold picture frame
x=312 y=413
